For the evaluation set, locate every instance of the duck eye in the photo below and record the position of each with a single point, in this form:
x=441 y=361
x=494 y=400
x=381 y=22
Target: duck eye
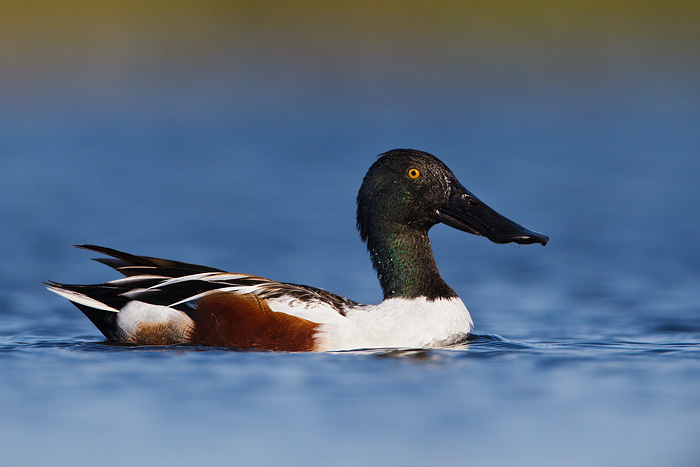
x=413 y=173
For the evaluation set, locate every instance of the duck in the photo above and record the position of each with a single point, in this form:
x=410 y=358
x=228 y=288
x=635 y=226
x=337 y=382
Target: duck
x=404 y=193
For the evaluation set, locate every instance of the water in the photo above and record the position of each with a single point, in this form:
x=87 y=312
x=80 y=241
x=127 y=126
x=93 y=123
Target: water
x=494 y=401
x=587 y=351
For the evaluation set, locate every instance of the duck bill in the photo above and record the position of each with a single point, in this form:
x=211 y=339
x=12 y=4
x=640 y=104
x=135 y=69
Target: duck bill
x=467 y=213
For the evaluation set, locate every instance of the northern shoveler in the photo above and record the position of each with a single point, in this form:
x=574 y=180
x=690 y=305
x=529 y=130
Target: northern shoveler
x=404 y=193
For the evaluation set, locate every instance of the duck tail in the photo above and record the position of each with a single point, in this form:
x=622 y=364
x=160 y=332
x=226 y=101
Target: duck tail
x=85 y=298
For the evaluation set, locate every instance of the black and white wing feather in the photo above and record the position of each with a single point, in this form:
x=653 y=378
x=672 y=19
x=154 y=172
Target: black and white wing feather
x=179 y=285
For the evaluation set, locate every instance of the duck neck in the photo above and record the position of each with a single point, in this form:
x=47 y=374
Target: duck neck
x=403 y=259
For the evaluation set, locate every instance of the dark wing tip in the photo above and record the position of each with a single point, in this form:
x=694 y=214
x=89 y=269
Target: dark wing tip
x=123 y=259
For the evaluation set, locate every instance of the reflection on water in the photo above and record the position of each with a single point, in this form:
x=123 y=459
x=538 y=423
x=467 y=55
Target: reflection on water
x=237 y=135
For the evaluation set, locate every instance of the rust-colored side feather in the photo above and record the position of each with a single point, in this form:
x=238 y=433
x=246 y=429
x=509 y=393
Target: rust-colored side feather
x=246 y=321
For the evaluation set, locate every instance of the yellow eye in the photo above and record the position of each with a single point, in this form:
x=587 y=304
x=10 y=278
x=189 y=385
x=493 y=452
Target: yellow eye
x=413 y=173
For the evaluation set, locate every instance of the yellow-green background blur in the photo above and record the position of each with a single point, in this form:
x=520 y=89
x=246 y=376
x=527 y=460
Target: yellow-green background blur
x=44 y=40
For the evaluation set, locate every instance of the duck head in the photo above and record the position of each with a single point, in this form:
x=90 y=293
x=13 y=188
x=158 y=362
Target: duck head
x=409 y=189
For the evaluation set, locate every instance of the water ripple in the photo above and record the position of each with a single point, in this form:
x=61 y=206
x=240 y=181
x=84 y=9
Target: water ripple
x=477 y=346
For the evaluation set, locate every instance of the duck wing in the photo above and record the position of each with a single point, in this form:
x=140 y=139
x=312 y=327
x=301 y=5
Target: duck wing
x=179 y=285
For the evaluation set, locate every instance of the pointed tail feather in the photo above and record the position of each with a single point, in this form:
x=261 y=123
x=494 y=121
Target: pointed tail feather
x=130 y=265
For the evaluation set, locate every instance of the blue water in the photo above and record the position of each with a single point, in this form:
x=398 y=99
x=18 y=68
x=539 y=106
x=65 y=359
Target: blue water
x=587 y=351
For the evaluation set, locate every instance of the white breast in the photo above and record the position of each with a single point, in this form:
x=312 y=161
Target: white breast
x=397 y=323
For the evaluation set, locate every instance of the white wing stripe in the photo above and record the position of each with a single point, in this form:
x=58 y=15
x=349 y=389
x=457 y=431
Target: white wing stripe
x=205 y=276
x=130 y=279
x=192 y=277
x=236 y=288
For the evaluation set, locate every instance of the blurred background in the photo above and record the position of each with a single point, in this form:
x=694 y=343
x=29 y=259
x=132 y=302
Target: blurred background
x=236 y=134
